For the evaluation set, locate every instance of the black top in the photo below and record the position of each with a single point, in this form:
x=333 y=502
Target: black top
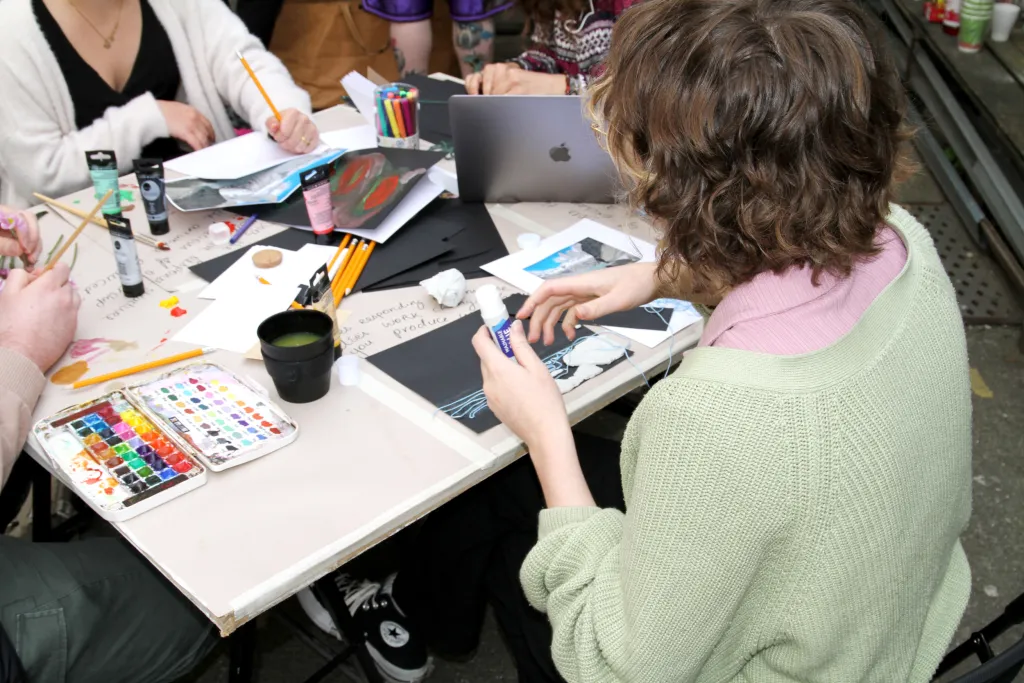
x=155 y=71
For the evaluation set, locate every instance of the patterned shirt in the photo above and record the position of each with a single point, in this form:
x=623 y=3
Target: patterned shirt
x=576 y=48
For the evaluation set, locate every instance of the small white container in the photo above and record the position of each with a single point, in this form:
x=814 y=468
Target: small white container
x=220 y=233
x=1004 y=16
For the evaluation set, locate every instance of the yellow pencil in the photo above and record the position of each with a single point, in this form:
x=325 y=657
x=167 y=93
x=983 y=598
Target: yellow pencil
x=252 y=75
x=354 y=278
x=78 y=231
x=391 y=116
x=139 y=368
x=341 y=248
x=342 y=274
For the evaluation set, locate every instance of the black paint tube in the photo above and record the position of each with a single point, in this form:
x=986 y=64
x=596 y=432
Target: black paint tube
x=150 y=174
x=103 y=171
x=128 y=268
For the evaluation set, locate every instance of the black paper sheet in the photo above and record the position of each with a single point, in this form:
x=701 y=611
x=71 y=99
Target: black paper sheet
x=365 y=186
x=442 y=366
x=435 y=126
x=290 y=240
x=636 y=318
x=466 y=229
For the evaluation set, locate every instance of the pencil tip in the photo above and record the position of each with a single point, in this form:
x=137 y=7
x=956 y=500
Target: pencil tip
x=239 y=53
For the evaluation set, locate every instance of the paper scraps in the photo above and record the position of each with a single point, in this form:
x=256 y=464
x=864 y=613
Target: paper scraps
x=447 y=287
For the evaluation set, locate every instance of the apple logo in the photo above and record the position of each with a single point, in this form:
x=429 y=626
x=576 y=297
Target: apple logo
x=560 y=153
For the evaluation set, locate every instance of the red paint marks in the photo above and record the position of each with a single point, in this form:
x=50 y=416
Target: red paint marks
x=380 y=194
x=231 y=226
x=178 y=311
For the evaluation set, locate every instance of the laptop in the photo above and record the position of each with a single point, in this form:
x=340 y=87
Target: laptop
x=528 y=148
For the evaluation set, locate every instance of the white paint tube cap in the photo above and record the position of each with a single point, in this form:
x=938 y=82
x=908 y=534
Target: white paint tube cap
x=492 y=308
x=347 y=368
x=220 y=233
x=528 y=240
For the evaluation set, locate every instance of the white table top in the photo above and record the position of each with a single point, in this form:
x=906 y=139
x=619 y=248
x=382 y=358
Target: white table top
x=369 y=460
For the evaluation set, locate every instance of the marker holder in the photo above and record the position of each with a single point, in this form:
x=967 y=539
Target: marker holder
x=398 y=115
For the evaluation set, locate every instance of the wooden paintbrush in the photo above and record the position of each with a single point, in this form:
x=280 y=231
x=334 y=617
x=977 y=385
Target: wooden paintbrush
x=78 y=231
x=96 y=220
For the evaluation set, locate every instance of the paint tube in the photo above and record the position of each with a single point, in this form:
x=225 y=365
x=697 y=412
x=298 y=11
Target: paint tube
x=321 y=298
x=316 y=190
x=150 y=174
x=496 y=317
x=103 y=171
x=128 y=269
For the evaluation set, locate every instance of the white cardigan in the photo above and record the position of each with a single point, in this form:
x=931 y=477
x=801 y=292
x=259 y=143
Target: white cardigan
x=42 y=151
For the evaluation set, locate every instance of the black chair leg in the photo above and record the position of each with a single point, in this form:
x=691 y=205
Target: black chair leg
x=242 y=654
x=334 y=601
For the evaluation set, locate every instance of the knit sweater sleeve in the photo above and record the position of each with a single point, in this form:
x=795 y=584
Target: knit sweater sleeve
x=647 y=595
x=224 y=36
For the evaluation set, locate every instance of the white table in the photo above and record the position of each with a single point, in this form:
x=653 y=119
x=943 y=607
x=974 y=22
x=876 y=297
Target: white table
x=368 y=461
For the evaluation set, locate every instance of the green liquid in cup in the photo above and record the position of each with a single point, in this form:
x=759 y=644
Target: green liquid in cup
x=293 y=339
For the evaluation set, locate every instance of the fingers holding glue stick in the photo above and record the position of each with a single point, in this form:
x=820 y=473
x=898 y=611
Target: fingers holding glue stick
x=522 y=395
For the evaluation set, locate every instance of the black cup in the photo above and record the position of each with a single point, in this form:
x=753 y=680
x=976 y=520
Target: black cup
x=301 y=374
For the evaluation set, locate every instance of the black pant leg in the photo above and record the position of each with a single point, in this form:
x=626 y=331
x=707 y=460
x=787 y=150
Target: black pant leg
x=518 y=499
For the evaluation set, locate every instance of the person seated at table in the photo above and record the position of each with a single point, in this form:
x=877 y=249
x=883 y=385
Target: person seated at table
x=145 y=78
x=82 y=611
x=569 y=40
x=412 y=36
x=788 y=503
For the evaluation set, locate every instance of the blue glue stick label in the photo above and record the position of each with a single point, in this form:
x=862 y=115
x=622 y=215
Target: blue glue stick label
x=501 y=334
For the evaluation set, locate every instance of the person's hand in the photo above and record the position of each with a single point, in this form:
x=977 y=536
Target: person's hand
x=39 y=314
x=587 y=297
x=295 y=132
x=508 y=78
x=19 y=235
x=185 y=123
x=522 y=394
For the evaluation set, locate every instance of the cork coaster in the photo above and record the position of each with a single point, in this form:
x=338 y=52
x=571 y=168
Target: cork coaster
x=267 y=258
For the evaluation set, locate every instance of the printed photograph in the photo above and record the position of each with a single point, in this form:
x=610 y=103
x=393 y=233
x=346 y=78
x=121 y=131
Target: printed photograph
x=583 y=257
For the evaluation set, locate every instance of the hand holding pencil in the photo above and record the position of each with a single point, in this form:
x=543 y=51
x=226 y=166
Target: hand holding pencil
x=292 y=129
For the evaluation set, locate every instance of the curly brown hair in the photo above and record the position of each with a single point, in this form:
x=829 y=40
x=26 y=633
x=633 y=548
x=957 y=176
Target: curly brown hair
x=761 y=134
x=542 y=14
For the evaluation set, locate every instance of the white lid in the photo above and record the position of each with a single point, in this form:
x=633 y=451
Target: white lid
x=220 y=233
x=347 y=368
x=488 y=298
x=528 y=240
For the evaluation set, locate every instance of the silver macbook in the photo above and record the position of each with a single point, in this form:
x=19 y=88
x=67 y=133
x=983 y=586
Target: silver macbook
x=517 y=148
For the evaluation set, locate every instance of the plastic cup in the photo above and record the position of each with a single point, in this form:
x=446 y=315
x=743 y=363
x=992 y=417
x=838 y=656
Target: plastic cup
x=398 y=115
x=1004 y=16
x=972 y=33
x=301 y=373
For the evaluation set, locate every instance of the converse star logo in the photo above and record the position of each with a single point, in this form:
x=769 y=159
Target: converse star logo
x=393 y=634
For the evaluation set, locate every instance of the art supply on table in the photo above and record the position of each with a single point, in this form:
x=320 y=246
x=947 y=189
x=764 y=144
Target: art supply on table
x=357 y=270
x=320 y=297
x=975 y=16
x=158 y=363
x=220 y=233
x=78 y=231
x=347 y=368
x=496 y=318
x=150 y=174
x=242 y=228
x=397 y=108
x=95 y=220
x=103 y=171
x=316 y=193
x=259 y=86
x=1004 y=17
x=341 y=278
x=448 y=287
x=528 y=240
x=340 y=253
x=128 y=268
x=298 y=351
x=120 y=458
x=267 y=258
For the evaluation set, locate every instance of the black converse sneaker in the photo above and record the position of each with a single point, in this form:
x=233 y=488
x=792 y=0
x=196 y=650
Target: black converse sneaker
x=398 y=653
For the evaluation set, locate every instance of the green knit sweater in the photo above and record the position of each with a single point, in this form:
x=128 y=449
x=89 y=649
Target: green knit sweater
x=789 y=518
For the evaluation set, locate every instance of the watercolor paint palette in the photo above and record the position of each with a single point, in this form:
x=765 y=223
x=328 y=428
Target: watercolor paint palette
x=222 y=419
x=116 y=458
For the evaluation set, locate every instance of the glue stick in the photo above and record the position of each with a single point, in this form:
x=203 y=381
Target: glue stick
x=496 y=317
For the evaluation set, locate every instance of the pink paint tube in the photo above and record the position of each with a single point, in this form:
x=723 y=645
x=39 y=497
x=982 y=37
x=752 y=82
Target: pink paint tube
x=316 y=190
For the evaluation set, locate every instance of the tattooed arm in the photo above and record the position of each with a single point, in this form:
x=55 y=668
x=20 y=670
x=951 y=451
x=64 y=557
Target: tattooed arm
x=411 y=43
x=474 y=44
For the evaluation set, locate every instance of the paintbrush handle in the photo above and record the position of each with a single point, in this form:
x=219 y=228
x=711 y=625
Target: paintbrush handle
x=78 y=231
x=102 y=222
x=140 y=368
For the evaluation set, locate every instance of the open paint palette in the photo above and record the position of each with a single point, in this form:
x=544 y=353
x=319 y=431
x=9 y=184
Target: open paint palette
x=131 y=450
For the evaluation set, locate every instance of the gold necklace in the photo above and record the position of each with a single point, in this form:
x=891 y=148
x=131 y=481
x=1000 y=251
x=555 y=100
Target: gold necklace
x=107 y=40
